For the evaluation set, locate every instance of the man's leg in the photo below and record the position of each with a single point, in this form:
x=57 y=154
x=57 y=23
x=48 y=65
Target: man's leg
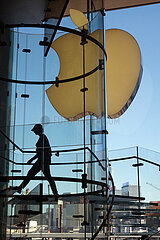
x=31 y=173
x=47 y=174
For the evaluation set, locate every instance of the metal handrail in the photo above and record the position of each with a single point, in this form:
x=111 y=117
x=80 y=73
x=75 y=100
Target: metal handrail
x=108 y=212
x=61 y=28
x=137 y=157
x=65 y=150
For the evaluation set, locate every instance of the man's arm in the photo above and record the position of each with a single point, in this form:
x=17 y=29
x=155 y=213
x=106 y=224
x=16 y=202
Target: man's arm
x=33 y=158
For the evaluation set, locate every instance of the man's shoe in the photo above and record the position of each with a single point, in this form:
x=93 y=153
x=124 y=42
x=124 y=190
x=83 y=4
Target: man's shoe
x=18 y=189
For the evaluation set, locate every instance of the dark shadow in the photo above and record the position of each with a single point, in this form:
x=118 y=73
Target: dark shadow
x=43 y=156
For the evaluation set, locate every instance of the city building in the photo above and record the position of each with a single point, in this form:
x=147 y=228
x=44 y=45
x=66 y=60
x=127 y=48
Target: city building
x=129 y=190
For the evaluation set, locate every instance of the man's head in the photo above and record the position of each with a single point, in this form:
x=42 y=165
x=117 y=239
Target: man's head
x=37 y=129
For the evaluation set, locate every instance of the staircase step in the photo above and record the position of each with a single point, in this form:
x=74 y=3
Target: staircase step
x=15 y=171
x=77 y=216
x=77 y=170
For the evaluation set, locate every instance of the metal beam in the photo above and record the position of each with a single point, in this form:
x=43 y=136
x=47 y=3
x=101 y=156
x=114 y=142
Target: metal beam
x=56 y=28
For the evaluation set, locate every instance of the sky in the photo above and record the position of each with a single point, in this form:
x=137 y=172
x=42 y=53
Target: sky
x=138 y=126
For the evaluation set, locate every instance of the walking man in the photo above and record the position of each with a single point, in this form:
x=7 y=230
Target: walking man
x=43 y=156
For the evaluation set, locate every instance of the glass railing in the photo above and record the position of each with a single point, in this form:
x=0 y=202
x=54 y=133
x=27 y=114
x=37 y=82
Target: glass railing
x=131 y=215
x=136 y=175
x=67 y=167
x=125 y=170
x=61 y=134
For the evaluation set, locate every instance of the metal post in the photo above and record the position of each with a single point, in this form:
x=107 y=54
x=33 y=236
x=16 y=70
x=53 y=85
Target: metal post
x=91 y=143
x=138 y=178
x=105 y=125
x=61 y=218
x=49 y=214
x=88 y=7
x=84 y=139
x=92 y=204
x=41 y=195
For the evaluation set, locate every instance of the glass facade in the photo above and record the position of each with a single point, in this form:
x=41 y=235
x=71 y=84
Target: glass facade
x=58 y=180
x=77 y=141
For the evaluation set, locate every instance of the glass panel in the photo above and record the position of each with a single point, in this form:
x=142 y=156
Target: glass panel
x=78 y=162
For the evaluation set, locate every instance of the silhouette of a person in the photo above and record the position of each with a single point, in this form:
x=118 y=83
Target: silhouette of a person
x=43 y=156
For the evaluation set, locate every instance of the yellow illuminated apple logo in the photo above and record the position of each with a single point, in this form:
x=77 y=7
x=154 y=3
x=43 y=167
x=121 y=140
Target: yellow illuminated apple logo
x=79 y=19
x=123 y=71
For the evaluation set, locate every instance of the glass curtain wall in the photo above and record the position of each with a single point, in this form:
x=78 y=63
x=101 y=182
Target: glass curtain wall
x=72 y=154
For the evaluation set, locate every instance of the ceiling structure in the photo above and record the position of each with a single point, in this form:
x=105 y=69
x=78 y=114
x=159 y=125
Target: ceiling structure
x=34 y=11
x=119 y=4
x=108 y=5
x=22 y=11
